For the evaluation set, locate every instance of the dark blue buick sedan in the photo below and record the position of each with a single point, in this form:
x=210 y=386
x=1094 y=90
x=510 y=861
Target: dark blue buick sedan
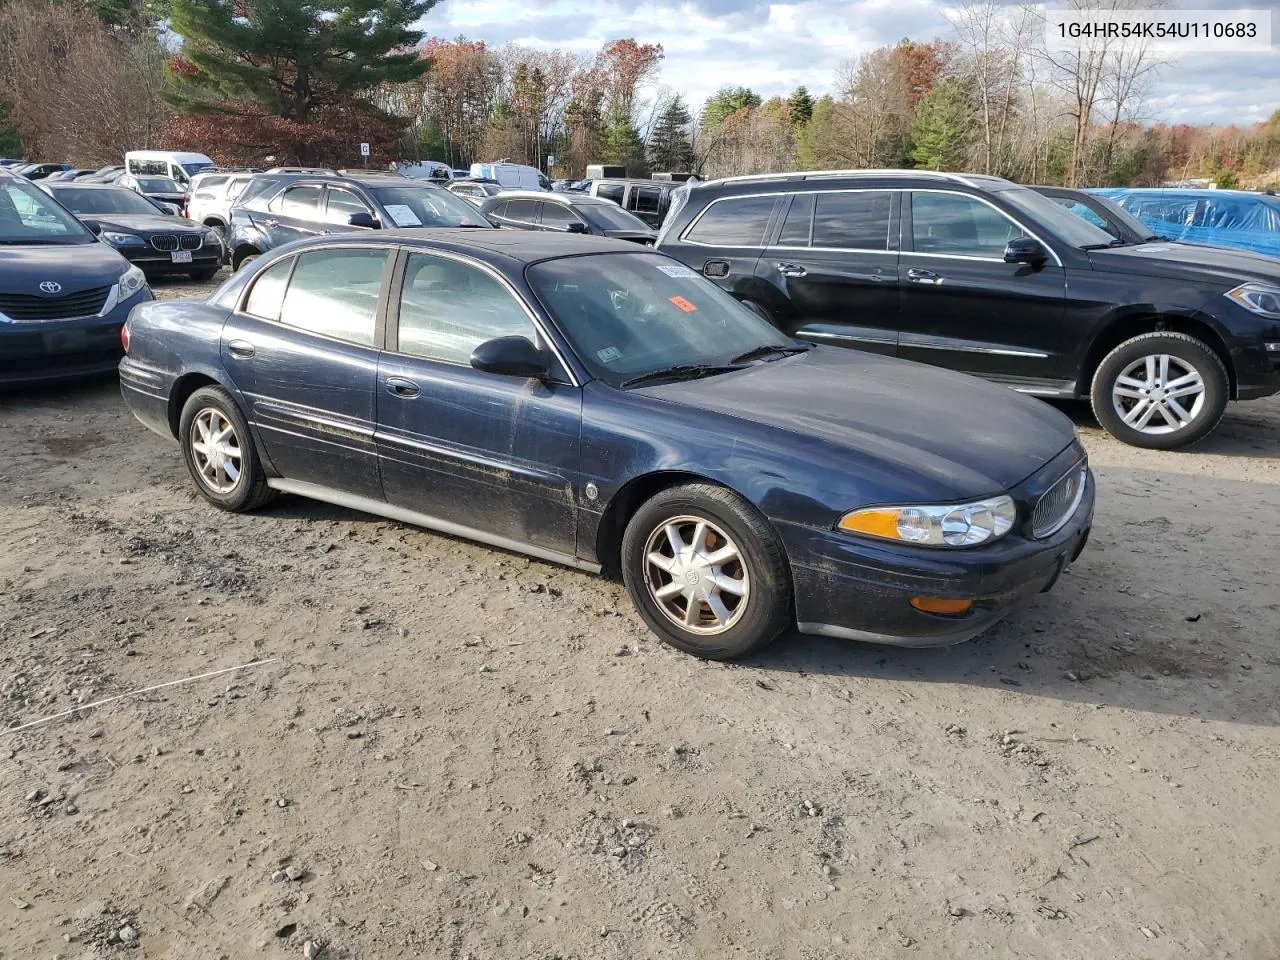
x=588 y=402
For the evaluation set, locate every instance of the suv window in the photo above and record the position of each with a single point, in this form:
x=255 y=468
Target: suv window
x=958 y=225
x=857 y=220
x=611 y=191
x=207 y=185
x=1080 y=210
x=448 y=308
x=644 y=199
x=799 y=223
x=335 y=293
x=735 y=222
x=342 y=204
x=300 y=202
x=557 y=214
x=268 y=290
x=526 y=211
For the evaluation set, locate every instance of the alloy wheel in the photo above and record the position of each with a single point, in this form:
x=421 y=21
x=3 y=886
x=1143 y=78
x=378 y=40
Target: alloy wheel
x=1158 y=394
x=696 y=575
x=216 y=450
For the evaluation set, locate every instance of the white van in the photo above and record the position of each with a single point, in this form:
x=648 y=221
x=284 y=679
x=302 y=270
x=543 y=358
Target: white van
x=512 y=176
x=165 y=163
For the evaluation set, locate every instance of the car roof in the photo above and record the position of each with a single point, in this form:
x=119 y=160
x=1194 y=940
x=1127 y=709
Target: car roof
x=578 y=198
x=515 y=247
x=81 y=185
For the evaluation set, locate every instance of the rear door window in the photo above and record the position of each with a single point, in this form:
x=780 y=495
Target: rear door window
x=735 y=222
x=267 y=293
x=799 y=222
x=335 y=293
x=857 y=220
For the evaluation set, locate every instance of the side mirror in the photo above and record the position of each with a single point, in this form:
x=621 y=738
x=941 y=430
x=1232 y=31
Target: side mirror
x=510 y=357
x=576 y=227
x=93 y=226
x=362 y=219
x=168 y=208
x=1025 y=250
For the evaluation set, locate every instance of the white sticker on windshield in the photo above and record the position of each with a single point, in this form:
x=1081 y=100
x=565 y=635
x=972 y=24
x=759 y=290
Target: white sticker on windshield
x=609 y=354
x=677 y=270
x=1153 y=249
x=402 y=215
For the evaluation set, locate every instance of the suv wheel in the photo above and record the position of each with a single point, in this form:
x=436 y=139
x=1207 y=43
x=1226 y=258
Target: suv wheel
x=706 y=572
x=1160 y=390
x=219 y=452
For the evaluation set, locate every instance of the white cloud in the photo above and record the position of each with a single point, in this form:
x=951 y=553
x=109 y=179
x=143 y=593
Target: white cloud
x=773 y=46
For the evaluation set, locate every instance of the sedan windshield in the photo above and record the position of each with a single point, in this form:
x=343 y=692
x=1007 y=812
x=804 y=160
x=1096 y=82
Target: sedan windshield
x=425 y=206
x=89 y=202
x=1064 y=224
x=159 y=185
x=611 y=216
x=632 y=314
x=29 y=215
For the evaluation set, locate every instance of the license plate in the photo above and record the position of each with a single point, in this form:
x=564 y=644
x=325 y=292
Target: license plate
x=181 y=256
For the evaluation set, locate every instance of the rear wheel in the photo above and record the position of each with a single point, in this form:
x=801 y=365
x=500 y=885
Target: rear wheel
x=219 y=452
x=245 y=256
x=706 y=572
x=1160 y=390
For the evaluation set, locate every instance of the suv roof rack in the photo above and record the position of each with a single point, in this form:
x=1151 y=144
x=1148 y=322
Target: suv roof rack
x=314 y=171
x=825 y=174
x=370 y=172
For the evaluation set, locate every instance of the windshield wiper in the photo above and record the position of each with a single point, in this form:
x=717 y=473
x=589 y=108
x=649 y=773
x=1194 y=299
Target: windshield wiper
x=682 y=371
x=1117 y=242
x=770 y=349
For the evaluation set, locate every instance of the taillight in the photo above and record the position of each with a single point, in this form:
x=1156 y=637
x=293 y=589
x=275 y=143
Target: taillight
x=124 y=336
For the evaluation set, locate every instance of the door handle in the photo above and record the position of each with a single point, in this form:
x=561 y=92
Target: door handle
x=400 y=387
x=792 y=270
x=272 y=223
x=923 y=276
x=240 y=349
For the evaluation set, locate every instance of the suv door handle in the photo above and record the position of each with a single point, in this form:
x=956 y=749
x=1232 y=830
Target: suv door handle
x=240 y=349
x=400 y=387
x=792 y=270
x=923 y=276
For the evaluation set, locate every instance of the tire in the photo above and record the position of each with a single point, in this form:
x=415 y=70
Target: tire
x=213 y=408
x=1140 y=369
x=203 y=276
x=245 y=258
x=751 y=614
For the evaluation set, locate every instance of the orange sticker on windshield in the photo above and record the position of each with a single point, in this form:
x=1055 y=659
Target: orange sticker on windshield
x=684 y=304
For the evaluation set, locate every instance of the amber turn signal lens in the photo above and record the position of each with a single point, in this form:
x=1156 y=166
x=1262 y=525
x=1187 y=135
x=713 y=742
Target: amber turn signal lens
x=944 y=605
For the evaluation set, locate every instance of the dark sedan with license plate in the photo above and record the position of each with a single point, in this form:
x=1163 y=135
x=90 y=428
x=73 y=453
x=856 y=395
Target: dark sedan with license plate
x=63 y=295
x=160 y=243
x=590 y=402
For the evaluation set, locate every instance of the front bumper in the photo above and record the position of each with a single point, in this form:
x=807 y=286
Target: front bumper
x=154 y=263
x=64 y=349
x=858 y=589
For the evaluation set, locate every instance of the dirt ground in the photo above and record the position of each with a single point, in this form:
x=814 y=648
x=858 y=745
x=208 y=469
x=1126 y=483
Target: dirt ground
x=455 y=752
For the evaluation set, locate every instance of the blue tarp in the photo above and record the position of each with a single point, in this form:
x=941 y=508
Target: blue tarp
x=1219 y=218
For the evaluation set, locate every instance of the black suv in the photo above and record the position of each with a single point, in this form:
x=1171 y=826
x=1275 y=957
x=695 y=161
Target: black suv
x=979 y=274
x=274 y=209
x=565 y=213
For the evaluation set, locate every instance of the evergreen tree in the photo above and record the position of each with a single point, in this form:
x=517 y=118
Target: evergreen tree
x=669 y=145
x=621 y=143
x=293 y=57
x=944 y=126
x=800 y=106
x=727 y=101
x=10 y=141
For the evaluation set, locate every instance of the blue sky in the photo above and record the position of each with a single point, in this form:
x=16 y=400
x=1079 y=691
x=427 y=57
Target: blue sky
x=774 y=45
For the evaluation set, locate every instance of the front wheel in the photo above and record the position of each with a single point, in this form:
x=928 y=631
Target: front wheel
x=706 y=572
x=1160 y=390
x=219 y=452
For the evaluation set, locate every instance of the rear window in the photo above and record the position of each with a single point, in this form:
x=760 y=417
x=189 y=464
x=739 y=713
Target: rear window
x=735 y=222
x=611 y=191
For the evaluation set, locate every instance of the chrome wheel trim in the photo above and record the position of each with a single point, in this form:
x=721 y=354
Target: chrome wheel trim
x=215 y=449
x=696 y=575
x=1158 y=394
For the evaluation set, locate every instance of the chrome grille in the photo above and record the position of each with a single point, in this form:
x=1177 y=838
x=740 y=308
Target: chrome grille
x=1055 y=508
x=190 y=241
x=164 y=242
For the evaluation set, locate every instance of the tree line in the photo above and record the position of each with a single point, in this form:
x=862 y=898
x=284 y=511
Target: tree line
x=300 y=81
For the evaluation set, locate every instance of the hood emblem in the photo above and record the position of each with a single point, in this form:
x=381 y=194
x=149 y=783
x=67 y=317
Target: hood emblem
x=50 y=286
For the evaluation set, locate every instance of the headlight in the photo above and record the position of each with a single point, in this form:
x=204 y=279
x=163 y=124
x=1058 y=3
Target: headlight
x=1260 y=298
x=131 y=281
x=123 y=239
x=959 y=525
x=212 y=236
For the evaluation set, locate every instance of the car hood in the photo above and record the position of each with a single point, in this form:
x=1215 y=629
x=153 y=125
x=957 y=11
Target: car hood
x=144 y=222
x=959 y=437
x=76 y=266
x=1182 y=261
